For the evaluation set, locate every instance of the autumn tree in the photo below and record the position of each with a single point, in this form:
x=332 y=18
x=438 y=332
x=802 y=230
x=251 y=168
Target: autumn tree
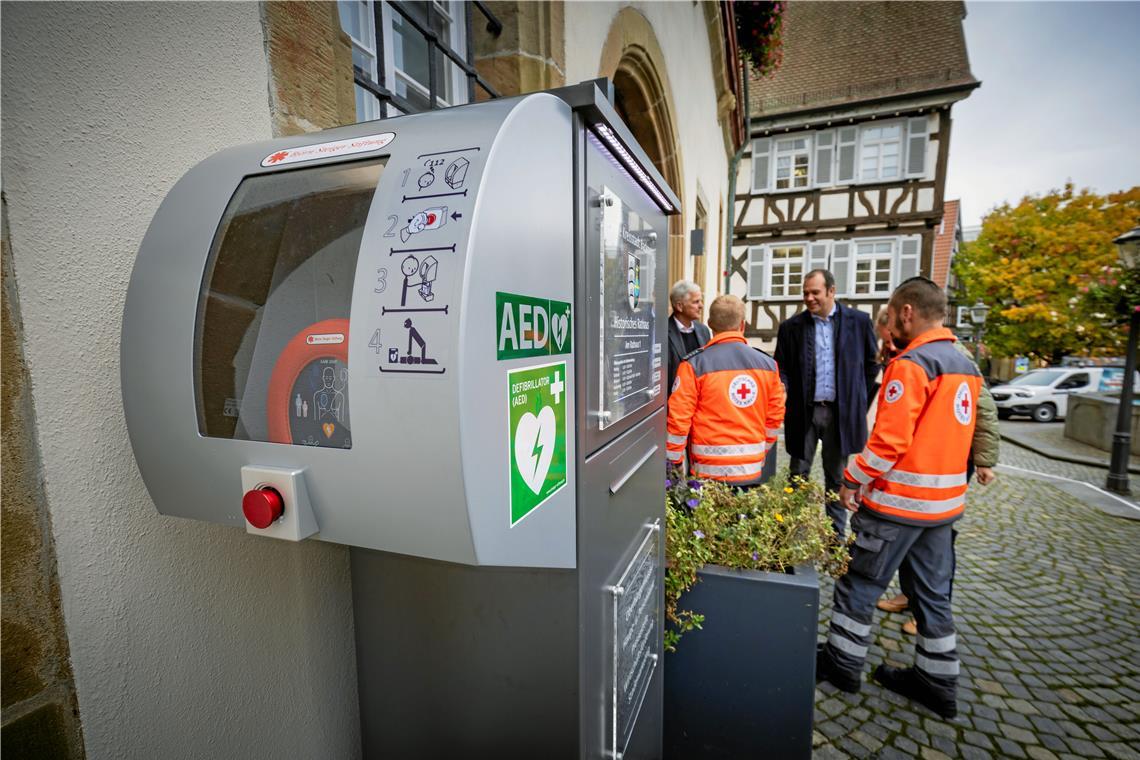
x=1045 y=266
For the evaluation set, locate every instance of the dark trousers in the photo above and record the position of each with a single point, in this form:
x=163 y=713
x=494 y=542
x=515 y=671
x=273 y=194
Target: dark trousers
x=924 y=558
x=824 y=427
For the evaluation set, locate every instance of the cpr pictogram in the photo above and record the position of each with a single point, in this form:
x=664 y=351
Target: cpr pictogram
x=963 y=405
x=742 y=391
x=894 y=391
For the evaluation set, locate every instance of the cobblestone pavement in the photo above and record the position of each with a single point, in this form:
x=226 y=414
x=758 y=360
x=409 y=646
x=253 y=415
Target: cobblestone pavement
x=1012 y=454
x=1047 y=606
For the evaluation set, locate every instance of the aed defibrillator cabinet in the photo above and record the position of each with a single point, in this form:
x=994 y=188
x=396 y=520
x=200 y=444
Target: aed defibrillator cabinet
x=438 y=339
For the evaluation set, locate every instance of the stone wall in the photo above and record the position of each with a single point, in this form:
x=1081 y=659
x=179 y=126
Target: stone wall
x=187 y=639
x=310 y=67
x=530 y=52
x=40 y=715
x=1091 y=419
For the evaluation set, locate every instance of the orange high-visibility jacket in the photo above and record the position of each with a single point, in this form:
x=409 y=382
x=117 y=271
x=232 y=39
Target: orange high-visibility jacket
x=727 y=407
x=913 y=469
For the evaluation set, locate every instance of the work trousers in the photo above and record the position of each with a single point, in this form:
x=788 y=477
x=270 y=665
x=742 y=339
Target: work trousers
x=924 y=558
x=824 y=427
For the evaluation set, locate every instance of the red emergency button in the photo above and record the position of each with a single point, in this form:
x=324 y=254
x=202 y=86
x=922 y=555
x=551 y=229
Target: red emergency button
x=262 y=506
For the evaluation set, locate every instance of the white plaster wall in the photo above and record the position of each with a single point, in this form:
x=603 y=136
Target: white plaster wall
x=187 y=640
x=680 y=30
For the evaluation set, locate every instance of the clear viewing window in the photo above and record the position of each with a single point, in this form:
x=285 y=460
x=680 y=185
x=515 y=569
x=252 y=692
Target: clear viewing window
x=271 y=338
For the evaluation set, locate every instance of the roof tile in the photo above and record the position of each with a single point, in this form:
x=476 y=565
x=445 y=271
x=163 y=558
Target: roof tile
x=847 y=52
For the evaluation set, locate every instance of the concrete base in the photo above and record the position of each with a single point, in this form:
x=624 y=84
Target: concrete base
x=1091 y=419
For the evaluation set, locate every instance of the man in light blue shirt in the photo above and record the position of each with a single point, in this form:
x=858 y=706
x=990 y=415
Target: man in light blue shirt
x=825 y=354
x=827 y=358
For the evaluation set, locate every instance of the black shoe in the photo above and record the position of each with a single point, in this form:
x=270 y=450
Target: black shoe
x=825 y=670
x=904 y=681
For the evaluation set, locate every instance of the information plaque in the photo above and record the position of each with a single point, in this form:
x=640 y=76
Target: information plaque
x=629 y=378
x=636 y=643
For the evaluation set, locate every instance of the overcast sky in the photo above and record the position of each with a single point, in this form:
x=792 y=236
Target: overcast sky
x=1060 y=99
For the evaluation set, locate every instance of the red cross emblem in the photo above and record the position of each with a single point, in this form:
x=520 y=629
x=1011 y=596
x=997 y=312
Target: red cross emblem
x=963 y=404
x=278 y=156
x=742 y=391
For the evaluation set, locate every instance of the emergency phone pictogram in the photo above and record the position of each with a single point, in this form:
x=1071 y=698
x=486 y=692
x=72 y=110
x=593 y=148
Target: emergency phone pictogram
x=894 y=391
x=963 y=405
x=742 y=391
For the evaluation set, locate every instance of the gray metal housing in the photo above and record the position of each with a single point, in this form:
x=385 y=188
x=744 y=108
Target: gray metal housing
x=426 y=472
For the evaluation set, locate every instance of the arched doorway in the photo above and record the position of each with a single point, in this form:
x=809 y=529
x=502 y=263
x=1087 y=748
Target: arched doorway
x=632 y=60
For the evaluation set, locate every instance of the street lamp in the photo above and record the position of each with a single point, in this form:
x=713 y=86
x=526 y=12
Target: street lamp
x=1128 y=245
x=978 y=314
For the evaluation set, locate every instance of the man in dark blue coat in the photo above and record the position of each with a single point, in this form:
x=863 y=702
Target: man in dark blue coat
x=827 y=360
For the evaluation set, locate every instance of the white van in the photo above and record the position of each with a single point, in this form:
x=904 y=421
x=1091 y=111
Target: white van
x=1044 y=393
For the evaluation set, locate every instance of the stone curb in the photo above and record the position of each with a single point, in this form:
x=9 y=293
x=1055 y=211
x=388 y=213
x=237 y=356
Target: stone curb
x=1061 y=456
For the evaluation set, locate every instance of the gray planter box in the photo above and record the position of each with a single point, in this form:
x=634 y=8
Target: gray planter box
x=744 y=685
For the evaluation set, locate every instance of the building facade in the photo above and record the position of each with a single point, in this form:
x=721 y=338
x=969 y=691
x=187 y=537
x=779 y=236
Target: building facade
x=846 y=164
x=142 y=635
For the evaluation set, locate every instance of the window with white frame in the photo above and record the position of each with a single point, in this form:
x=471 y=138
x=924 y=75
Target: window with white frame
x=787 y=271
x=873 y=262
x=868 y=267
x=793 y=163
x=776 y=271
x=870 y=152
x=358 y=20
x=391 y=53
x=879 y=152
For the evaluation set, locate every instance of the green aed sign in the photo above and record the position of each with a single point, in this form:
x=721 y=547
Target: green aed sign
x=528 y=326
x=536 y=400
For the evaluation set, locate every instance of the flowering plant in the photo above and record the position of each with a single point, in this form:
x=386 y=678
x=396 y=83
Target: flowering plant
x=759 y=27
x=774 y=527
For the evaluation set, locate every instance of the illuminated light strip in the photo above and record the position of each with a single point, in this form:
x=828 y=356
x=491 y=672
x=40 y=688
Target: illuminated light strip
x=633 y=165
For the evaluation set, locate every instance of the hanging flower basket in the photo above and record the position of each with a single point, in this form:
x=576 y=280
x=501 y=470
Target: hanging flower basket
x=759 y=33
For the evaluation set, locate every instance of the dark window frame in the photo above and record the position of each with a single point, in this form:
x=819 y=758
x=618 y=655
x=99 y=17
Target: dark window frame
x=466 y=64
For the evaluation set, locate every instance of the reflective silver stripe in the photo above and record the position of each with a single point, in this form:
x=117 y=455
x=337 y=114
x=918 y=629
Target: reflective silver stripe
x=938 y=646
x=857 y=628
x=674 y=456
x=856 y=472
x=936 y=667
x=733 y=450
x=926 y=481
x=915 y=505
x=700 y=468
x=847 y=645
x=875 y=460
x=676 y=439
x=773 y=432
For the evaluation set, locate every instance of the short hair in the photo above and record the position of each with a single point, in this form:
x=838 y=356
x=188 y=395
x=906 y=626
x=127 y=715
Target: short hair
x=726 y=313
x=883 y=318
x=923 y=295
x=681 y=290
x=828 y=277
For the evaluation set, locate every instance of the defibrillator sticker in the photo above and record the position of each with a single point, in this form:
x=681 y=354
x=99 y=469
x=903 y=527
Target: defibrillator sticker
x=893 y=391
x=742 y=391
x=526 y=326
x=537 y=436
x=963 y=404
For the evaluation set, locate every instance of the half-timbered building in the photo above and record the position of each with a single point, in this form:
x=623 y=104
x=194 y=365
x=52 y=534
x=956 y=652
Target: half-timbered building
x=849 y=143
